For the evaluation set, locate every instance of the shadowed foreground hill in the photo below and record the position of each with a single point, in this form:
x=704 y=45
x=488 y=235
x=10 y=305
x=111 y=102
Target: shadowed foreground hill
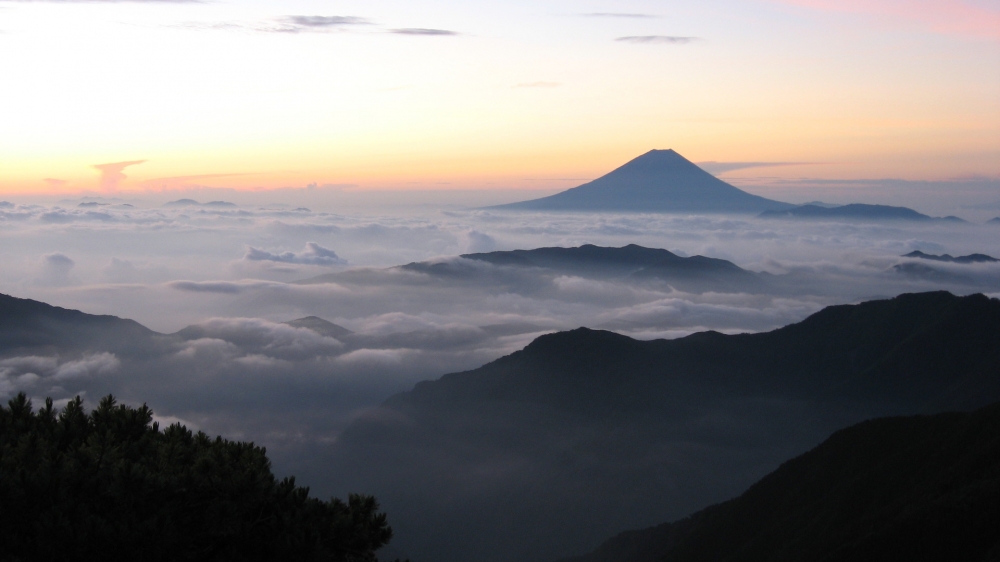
x=584 y=434
x=111 y=486
x=914 y=488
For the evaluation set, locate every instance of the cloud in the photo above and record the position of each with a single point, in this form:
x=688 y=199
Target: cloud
x=476 y=242
x=111 y=174
x=287 y=24
x=97 y=364
x=36 y=372
x=669 y=39
x=63 y=216
x=55 y=269
x=301 y=24
x=58 y=260
x=422 y=31
x=953 y=17
x=223 y=287
x=262 y=337
x=538 y=85
x=240 y=372
x=313 y=254
x=326 y=21
x=619 y=15
x=719 y=168
x=113 y=1
x=184 y=182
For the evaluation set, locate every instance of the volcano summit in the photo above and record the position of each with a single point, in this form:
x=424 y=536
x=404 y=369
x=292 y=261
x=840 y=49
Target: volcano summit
x=660 y=181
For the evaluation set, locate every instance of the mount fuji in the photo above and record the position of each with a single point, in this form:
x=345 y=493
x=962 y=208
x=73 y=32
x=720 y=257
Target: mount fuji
x=660 y=181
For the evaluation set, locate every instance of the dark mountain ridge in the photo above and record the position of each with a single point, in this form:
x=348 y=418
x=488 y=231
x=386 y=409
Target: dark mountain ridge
x=582 y=432
x=905 y=488
x=659 y=181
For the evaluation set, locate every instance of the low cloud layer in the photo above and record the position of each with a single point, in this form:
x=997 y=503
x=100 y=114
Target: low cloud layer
x=218 y=282
x=718 y=168
x=313 y=254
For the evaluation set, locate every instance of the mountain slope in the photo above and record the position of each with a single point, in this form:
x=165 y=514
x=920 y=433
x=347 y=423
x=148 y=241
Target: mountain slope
x=658 y=181
x=585 y=433
x=26 y=324
x=914 y=488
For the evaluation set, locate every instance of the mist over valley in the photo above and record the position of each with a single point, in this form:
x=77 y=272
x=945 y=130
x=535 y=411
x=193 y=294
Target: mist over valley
x=511 y=383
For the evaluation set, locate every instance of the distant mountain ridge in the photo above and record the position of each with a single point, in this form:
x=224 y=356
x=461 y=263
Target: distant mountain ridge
x=971 y=258
x=914 y=488
x=855 y=211
x=633 y=262
x=659 y=181
x=695 y=273
x=26 y=324
x=584 y=433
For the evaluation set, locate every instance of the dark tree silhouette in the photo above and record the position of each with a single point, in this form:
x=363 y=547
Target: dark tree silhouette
x=110 y=485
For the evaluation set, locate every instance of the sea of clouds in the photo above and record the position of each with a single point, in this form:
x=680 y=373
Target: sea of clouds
x=223 y=279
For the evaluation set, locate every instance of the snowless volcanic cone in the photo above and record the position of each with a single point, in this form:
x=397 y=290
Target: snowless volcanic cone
x=658 y=181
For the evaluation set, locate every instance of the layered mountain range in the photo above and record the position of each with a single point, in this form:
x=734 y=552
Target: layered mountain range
x=534 y=271
x=585 y=433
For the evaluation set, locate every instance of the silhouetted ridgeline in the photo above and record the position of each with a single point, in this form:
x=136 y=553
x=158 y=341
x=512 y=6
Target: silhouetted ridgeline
x=971 y=258
x=586 y=433
x=29 y=324
x=914 y=488
x=111 y=486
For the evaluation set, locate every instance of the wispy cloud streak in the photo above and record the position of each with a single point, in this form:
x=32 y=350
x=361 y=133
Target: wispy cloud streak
x=669 y=39
x=422 y=31
x=619 y=15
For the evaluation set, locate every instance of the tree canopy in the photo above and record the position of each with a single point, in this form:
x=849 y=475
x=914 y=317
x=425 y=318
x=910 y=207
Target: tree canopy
x=111 y=485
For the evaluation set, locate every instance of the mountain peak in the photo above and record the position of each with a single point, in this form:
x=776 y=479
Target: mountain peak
x=320 y=326
x=656 y=182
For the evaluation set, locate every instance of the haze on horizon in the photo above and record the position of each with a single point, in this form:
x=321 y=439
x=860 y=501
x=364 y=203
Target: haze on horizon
x=110 y=97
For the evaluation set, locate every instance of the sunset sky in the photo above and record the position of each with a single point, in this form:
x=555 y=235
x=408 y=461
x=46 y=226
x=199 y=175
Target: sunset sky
x=121 y=96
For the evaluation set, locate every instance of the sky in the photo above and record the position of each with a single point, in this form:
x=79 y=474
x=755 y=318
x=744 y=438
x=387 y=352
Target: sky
x=117 y=96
